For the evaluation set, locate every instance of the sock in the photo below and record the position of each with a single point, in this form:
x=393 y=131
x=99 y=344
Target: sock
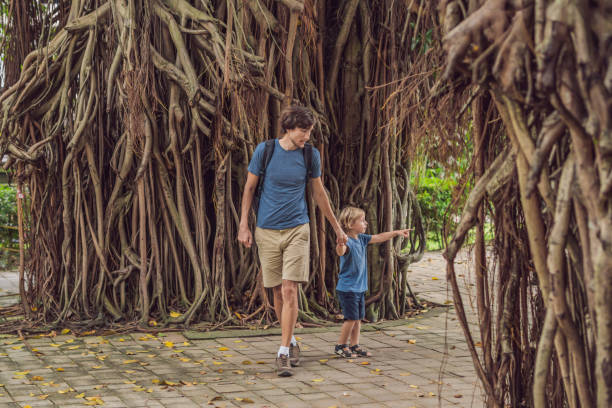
x=293 y=341
x=283 y=350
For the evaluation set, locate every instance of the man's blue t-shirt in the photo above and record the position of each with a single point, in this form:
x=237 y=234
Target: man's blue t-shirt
x=354 y=265
x=282 y=203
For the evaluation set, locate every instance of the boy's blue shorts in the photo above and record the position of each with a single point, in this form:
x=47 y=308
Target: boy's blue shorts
x=352 y=304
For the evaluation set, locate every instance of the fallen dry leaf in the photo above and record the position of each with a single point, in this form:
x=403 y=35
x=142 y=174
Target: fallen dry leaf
x=318 y=380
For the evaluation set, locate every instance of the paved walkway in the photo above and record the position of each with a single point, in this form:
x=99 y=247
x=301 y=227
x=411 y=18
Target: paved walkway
x=417 y=362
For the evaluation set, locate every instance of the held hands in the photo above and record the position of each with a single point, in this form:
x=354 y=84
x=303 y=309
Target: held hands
x=245 y=237
x=341 y=238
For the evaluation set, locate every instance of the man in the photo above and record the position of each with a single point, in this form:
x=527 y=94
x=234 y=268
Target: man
x=283 y=233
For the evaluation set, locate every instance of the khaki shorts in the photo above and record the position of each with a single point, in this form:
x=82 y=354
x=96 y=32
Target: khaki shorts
x=284 y=254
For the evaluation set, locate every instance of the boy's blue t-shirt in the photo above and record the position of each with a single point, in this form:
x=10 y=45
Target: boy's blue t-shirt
x=282 y=203
x=354 y=265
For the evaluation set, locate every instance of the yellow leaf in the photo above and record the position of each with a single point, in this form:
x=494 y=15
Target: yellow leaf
x=175 y=314
x=170 y=383
x=318 y=380
x=186 y=343
x=63 y=391
x=431 y=394
x=155 y=381
x=238 y=372
x=65 y=331
x=260 y=362
x=3 y=354
x=129 y=361
x=237 y=341
x=364 y=363
x=69 y=341
x=152 y=322
x=129 y=371
x=37 y=378
x=149 y=389
x=88 y=333
x=60 y=369
x=169 y=344
x=414 y=386
x=22 y=372
x=73 y=347
x=81 y=395
x=323 y=361
x=434 y=278
x=98 y=387
x=223 y=349
x=228 y=355
x=405 y=374
x=34 y=349
x=298 y=338
x=101 y=357
x=34 y=308
x=129 y=381
x=17 y=347
x=412 y=341
x=185 y=359
x=96 y=367
x=246 y=362
x=43 y=396
x=27 y=406
x=138 y=389
x=55 y=345
x=217 y=362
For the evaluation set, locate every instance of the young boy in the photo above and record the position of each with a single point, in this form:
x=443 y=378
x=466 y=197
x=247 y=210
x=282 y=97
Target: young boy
x=353 y=279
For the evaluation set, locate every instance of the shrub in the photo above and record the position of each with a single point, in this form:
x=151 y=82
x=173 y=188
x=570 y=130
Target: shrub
x=9 y=237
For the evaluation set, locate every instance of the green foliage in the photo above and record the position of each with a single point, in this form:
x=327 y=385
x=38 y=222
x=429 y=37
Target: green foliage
x=8 y=225
x=434 y=193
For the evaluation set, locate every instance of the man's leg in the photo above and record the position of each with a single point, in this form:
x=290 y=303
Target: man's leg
x=278 y=302
x=289 y=311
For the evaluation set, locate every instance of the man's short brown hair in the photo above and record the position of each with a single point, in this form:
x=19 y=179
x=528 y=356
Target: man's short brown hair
x=296 y=116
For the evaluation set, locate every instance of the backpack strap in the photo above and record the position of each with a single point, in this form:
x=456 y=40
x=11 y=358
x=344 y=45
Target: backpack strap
x=307 y=151
x=265 y=160
x=267 y=156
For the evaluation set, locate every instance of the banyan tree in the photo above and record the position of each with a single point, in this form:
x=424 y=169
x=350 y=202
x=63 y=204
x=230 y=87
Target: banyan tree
x=129 y=124
x=544 y=70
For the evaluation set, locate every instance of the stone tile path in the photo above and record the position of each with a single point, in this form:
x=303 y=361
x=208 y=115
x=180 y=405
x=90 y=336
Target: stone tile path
x=417 y=362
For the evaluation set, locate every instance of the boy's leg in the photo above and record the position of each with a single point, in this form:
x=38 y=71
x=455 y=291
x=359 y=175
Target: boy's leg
x=346 y=330
x=355 y=332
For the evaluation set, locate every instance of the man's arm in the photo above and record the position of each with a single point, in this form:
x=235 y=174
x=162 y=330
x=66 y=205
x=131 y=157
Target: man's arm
x=320 y=197
x=244 y=233
x=385 y=236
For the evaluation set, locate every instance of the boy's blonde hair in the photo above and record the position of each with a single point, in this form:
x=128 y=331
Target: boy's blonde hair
x=348 y=216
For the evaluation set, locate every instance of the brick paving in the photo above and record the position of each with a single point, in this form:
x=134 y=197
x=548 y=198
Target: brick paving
x=417 y=362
